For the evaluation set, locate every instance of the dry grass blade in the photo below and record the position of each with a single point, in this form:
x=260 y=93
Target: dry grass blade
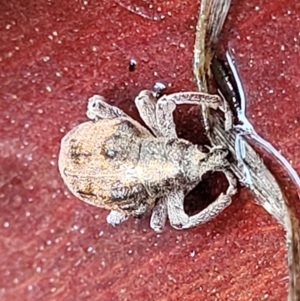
x=207 y=33
x=264 y=186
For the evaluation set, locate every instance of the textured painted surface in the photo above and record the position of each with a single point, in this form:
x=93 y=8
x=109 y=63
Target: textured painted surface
x=53 y=56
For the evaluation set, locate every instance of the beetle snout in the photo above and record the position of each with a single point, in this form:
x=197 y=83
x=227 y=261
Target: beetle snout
x=219 y=157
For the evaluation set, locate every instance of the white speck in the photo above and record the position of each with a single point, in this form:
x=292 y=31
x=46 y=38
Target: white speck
x=53 y=289
x=282 y=48
x=94 y=48
x=50 y=37
x=271 y=91
x=9 y=54
x=54 y=32
x=46 y=58
x=40 y=111
x=130 y=252
x=192 y=254
x=82 y=231
x=256 y=8
x=288 y=12
x=100 y=233
x=6 y=224
x=158 y=87
x=58 y=74
x=90 y=249
x=75 y=227
x=8 y=26
x=27 y=213
x=38 y=269
x=16 y=281
x=181 y=45
x=49 y=89
x=48 y=242
x=132 y=63
x=29 y=287
x=273 y=17
x=52 y=162
x=155 y=73
x=266 y=296
x=58 y=239
x=85 y=2
x=26 y=125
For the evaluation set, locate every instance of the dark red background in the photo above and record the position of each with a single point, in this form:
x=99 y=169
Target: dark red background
x=56 y=54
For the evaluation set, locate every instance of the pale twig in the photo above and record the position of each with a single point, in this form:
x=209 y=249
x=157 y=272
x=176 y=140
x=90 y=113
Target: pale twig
x=263 y=185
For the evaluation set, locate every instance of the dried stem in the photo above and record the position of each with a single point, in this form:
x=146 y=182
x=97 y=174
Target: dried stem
x=264 y=186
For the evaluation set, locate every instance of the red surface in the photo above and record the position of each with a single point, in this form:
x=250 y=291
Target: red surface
x=53 y=56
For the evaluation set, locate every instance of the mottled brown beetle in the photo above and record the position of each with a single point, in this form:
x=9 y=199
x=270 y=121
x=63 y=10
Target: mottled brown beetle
x=114 y=162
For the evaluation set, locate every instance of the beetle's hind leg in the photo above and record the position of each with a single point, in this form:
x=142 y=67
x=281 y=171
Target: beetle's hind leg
x=98 y=108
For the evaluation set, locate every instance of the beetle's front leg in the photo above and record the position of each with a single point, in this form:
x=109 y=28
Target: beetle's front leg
x=180 y=220
x=167 y=104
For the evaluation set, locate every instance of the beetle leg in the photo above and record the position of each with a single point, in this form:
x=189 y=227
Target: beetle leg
x=146 y=105
x=159 y=215
x=115 y=217
x=180 y=220
x=98 y=108
x=167 y=104
x=177 y=216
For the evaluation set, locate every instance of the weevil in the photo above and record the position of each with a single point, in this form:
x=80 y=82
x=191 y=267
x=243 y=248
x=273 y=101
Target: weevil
x=114 y=162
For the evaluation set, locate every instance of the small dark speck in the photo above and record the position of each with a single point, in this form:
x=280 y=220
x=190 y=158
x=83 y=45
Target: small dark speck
x=132 y=65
